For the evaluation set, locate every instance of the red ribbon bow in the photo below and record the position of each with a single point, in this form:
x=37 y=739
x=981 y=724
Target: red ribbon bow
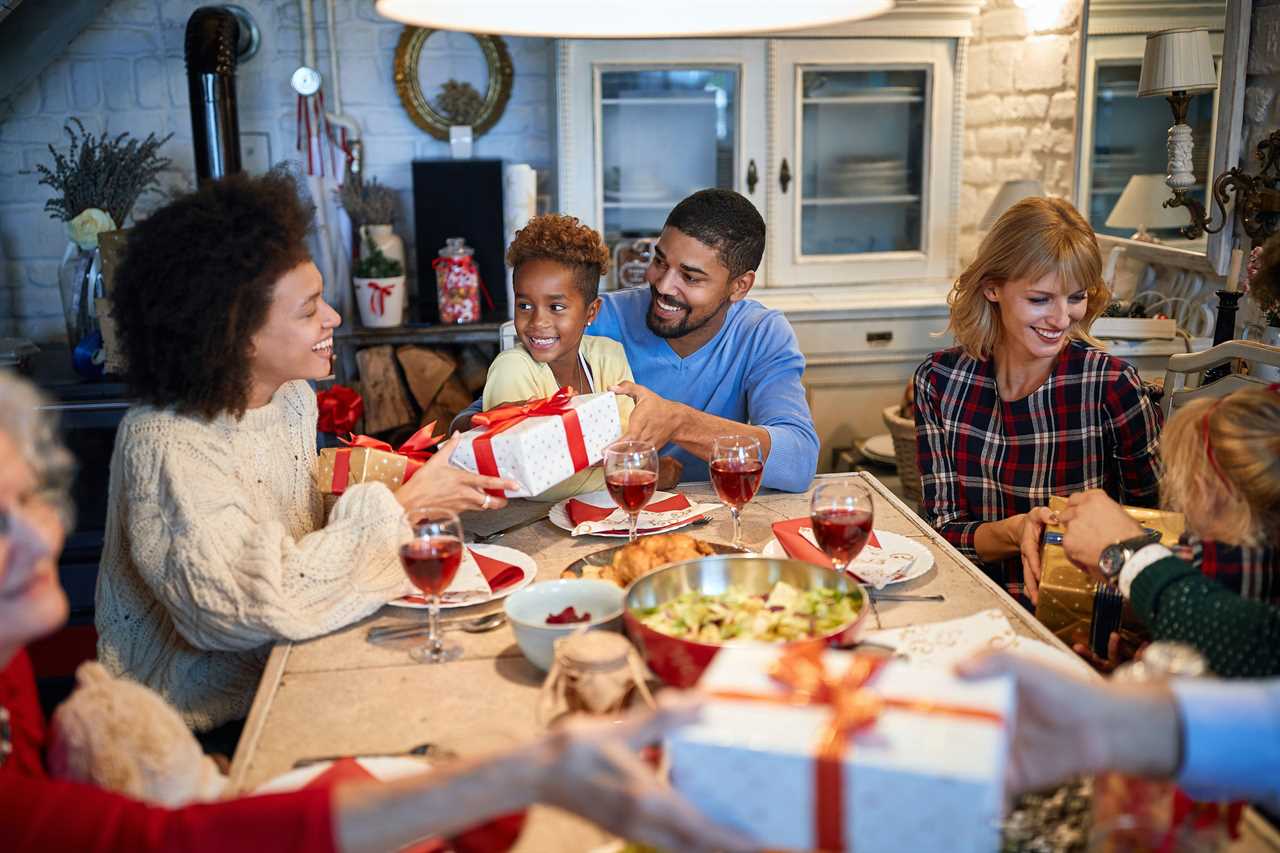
x=378 y=294
x=802 y=671
x=417 y=449
x=504 y=417
x=340 y=408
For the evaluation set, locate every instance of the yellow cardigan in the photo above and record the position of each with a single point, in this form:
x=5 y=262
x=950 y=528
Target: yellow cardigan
x=514 y=377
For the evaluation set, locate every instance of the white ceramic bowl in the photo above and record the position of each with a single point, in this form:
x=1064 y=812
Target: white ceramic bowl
x=528 y=608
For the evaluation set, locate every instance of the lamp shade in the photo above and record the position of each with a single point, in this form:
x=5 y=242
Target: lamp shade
x=1141 y=205
x=1011 y=192
x=629 y=19
x=1178 y=60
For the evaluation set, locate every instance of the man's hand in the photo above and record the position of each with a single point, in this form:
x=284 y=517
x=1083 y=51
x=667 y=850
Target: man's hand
x=655 y=419
x=1091 y=522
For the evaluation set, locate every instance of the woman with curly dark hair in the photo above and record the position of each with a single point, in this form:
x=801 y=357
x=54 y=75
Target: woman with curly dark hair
x=216 y=542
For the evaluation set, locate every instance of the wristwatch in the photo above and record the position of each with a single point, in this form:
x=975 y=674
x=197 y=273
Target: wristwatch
x=1115 y=556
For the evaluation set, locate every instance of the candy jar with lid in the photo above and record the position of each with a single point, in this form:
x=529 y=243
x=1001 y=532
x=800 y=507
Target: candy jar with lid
x=457 y=282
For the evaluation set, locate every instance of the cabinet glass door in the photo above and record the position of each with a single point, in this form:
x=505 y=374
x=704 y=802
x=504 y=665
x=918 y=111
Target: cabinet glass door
x=862 y=166
x=664 y=133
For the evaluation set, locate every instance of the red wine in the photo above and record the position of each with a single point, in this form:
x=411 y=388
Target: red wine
x=432 y=563
x=842 y=533
x=736 y=480
x=631 y=488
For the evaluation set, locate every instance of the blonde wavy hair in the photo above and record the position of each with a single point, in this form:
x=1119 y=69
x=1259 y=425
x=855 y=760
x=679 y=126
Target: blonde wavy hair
x=1034 y=238
x=35 y=434
x=1222 y=462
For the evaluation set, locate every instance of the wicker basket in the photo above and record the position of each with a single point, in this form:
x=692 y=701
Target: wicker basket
x=903 y=431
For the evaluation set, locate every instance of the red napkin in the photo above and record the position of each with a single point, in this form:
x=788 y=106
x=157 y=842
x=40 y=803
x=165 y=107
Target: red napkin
x=581 y=511
x=499 y=574
x=496 y=836
x=799 y=548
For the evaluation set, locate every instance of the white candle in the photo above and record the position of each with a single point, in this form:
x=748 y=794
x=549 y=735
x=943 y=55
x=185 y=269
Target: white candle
x=1233 y=273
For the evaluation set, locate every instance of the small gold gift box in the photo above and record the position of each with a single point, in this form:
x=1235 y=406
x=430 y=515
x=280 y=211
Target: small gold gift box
x=1079 y=609
x=339 y=468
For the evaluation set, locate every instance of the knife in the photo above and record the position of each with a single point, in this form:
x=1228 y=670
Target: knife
x=489 y=537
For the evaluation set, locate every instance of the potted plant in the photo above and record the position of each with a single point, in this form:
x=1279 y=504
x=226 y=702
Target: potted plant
x=372 y=208
x=1262 y=280
x=379 y=283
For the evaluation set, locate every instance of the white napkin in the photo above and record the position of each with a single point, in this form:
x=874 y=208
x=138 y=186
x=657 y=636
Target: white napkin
x=616 y=521
x=946 y=643
x=877 y=566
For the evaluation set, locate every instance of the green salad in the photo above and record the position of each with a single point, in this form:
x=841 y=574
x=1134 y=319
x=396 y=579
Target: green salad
x=783 y=615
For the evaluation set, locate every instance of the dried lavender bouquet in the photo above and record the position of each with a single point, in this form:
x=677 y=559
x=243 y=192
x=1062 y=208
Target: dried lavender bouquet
x=368 y=203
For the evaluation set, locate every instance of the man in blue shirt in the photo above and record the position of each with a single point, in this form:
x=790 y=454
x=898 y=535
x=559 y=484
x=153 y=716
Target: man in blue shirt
x=707 y=360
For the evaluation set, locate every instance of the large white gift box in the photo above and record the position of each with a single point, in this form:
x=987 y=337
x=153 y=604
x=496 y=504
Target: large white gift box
x=536 y=451
x=913 y=779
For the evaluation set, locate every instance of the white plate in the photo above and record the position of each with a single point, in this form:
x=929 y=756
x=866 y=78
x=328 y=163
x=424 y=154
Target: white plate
x=888 y=541
x=384 y=768
x=497 y=552
x=879 y=448
x=559 y=513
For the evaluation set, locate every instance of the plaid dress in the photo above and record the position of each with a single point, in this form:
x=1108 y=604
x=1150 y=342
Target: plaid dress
x=1092 y=424
x=1250 y=572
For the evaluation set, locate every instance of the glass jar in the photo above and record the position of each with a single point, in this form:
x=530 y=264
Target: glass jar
x=597 y=673
x=457 y=282
x=1132 y=813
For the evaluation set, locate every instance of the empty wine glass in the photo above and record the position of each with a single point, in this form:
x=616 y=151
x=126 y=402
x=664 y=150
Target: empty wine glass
x=631 y=473
x=737 y=465
x=842 y=513
x=431 y=552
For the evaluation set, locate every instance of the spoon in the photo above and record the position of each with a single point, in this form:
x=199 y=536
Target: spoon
x=478 y=625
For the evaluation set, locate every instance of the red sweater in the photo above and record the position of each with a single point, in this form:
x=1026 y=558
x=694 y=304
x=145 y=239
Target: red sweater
x=38 y=813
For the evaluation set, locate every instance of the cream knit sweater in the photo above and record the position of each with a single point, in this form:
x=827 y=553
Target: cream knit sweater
x=216 y=547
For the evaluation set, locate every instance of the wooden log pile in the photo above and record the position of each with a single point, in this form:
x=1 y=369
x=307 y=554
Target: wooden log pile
x=408 y=386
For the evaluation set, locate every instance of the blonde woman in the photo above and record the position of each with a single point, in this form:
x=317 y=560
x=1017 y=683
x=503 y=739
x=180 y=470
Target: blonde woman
x=1025 y=406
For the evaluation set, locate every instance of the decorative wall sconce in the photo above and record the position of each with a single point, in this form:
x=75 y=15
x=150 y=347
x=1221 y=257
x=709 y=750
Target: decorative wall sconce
x=1178 y=64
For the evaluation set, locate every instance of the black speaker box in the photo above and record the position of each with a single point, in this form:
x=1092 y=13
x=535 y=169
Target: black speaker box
x=459 y=198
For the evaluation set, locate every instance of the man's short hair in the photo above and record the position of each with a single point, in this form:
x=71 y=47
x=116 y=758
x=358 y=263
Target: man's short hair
x=727 y=222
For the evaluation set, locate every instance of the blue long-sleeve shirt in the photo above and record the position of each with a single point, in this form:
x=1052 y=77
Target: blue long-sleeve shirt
x=749 y=372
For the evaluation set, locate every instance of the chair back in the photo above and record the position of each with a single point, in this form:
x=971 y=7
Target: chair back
x=507 y=335
x=1178 y=394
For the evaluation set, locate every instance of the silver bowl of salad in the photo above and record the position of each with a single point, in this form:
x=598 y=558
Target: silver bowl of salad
x=682 y=614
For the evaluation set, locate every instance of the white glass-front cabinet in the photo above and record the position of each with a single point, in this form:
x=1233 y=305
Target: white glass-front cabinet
x=844 y=144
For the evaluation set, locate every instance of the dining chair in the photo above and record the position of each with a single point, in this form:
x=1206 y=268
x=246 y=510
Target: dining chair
x=1184 y=365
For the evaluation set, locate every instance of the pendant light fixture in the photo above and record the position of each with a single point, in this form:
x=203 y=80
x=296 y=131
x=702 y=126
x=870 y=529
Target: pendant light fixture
x=627 y=18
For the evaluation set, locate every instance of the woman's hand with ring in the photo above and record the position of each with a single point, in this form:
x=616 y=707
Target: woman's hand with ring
x=440 y=484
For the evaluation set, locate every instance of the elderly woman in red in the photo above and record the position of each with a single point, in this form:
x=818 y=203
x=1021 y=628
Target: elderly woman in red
x=586 y=769
x=1025 y=407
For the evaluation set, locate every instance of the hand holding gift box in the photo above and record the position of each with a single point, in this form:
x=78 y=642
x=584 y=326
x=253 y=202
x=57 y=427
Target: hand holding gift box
x=810 y=749
x=541 y=442
x=368 y=460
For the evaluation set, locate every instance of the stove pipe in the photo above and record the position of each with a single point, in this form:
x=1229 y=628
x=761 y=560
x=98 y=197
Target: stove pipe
x=212 y=38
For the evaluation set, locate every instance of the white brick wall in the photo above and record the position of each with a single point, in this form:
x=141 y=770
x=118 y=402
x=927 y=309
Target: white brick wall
x=1020 y=109
x=126 y=72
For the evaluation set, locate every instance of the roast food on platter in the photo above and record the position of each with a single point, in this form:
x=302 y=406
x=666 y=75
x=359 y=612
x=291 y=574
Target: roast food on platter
x=644 y=556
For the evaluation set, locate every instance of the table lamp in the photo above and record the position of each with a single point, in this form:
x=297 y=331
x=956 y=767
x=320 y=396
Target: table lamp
x=1011 y=192
x=1141 y=206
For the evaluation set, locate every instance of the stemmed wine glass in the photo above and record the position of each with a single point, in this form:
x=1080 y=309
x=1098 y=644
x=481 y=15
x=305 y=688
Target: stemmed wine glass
x=631 y=473
x=736 y=468
x=431 y=552
x=842 y=514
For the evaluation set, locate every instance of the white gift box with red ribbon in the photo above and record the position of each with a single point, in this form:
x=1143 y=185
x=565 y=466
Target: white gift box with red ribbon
x=542 y=442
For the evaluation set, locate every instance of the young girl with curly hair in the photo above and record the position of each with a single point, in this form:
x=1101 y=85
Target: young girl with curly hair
x=217 y=545
x=556 y=264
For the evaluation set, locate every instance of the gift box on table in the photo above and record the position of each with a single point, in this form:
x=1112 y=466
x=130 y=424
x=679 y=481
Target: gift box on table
x=368 y=460
x=540 y=443
x=914 y=759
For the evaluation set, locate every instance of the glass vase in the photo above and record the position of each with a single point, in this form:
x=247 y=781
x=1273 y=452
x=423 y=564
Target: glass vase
x=79 y=285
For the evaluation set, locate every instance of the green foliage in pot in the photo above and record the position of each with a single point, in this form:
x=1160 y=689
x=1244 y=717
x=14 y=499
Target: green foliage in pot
x=374 y=264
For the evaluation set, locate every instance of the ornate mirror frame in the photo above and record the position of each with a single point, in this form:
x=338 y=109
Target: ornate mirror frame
x=419 y=106
x=1228 y=124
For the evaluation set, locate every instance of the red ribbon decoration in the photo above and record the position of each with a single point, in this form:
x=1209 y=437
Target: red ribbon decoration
x=800 y=669
x=340 y=407
x=417 y=449
x=378 y=294
x=502 y=418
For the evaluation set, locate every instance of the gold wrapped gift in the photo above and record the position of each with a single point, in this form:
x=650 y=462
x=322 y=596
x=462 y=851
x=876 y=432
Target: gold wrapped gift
x=1079 y=609
x=338 y=468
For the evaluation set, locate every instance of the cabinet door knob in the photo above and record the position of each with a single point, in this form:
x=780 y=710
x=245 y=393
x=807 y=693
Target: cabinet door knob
x=784 y=175
x=753 y=177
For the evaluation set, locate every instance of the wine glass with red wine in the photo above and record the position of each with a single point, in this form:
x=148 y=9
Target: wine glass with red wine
x=842 y=513
x=431 y=553
x=736 y=468
x=631 y=473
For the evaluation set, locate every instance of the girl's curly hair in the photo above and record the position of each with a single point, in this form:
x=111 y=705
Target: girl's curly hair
x=195 y=285
x=563 y=239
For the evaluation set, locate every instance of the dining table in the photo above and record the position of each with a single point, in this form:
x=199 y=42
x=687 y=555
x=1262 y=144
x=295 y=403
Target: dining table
x=340 y=694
